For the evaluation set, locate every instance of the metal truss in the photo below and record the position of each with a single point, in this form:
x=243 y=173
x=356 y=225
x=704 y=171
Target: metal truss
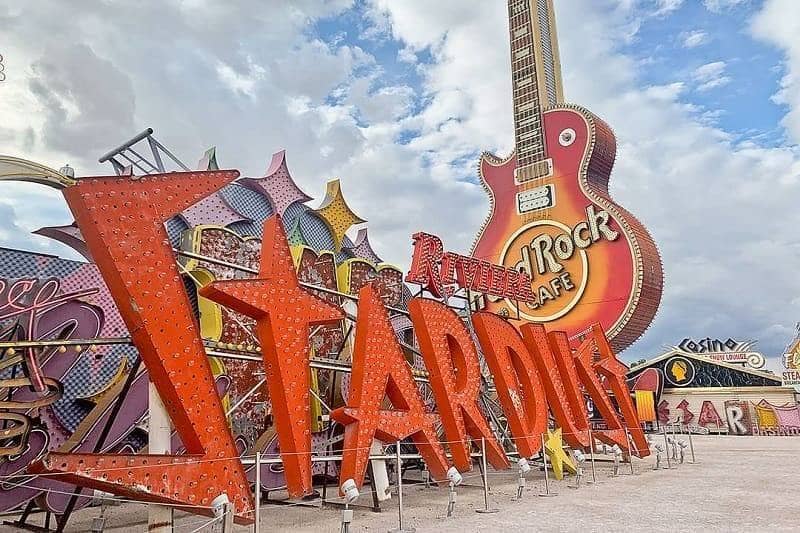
x=125 y=157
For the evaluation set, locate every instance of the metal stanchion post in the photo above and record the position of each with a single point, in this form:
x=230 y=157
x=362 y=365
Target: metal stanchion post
x=630 y=449
x=257 y=510
x=666 y=448
x=400 y=529
x=520 y=485
x=691 y=446
x=486 y=508
x=591 y=449
x=674 y=445
x=227 y=518
x=546 y=474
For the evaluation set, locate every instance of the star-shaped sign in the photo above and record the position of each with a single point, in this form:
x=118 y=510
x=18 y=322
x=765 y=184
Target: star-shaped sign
x=284 y=312
x=559 y=459
x=363 y=249
x=278 y=185
x=336 y=214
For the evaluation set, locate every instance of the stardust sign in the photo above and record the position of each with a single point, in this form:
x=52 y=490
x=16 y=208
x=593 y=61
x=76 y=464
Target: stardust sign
x=534 y=371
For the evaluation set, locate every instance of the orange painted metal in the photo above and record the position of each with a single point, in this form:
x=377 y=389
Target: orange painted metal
x=584 y=364
x=455 y=377
x=284 y=312
x=122 y=220
x=516 y=379
x=380 y=370
x=614 y=373
x=557 y=370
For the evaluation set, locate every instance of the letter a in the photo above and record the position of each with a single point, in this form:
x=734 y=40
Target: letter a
x=455 y=376
x=379 y=369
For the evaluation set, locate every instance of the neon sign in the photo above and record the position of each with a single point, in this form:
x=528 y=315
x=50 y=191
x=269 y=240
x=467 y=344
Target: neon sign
x=122 y=222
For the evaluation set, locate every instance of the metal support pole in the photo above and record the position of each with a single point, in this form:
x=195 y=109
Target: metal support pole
x=520 y=485
x=666 y=448
x=691 y=445
x=591 y=450
x=257 y=513
x=674 y=444
x=630 y=450
x=227 y=518
x=400 y=529
x=451 y=500
x=485 y=472
x=546 y=474
x=159 y=437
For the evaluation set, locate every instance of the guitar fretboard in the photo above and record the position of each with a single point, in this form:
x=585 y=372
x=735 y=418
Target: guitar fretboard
x=536 y=78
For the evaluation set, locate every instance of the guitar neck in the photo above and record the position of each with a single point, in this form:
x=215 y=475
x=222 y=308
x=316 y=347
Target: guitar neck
x=536 y=79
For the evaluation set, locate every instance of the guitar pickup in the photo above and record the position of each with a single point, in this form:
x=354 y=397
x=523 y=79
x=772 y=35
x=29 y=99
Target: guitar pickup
x=543 y=197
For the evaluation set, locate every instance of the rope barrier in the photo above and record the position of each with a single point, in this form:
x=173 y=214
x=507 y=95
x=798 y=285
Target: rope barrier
x=275 y=458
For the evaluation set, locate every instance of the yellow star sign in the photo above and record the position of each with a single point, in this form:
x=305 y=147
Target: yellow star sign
x=336 y=214
x=558 y=458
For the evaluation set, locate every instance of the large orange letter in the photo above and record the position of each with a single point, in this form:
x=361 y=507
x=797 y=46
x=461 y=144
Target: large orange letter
x=554 y=360
x=283 y=311
x=122 y=220
x=615 y=434
x=615 y=373
x=379 y=369
x=455 y=376
x=516 y=380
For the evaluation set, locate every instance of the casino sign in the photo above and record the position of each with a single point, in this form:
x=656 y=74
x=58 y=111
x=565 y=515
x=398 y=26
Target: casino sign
x=728 y=351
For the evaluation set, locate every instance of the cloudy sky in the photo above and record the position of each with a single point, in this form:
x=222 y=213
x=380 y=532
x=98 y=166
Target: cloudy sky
x=398 y=98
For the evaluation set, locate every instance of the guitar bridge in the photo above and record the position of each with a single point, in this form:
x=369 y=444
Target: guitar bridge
x=543 y=197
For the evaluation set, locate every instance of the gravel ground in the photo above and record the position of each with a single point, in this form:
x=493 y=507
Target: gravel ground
x=739 y=483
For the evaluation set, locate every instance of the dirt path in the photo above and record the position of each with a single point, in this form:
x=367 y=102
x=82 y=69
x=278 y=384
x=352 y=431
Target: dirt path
x=742 y=483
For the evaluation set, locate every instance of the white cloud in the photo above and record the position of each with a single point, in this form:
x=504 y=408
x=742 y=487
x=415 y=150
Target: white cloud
x=718 y=6
x=778 y=23
x=664 y=7
x=710 y=76
x=693 y=39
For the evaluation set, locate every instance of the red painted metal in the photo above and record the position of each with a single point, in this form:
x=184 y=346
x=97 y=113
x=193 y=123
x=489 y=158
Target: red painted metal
x=283 y=312
x=561 y=383
x=516 y=379
x=380 y=370
x=455 y=377
x=122 y=220
x=584 y=360
x=615 y=373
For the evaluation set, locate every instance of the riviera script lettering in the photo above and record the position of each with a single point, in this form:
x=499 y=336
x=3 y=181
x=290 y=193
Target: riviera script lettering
x=440 y=272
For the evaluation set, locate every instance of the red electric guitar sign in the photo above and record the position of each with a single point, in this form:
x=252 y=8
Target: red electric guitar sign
x=589 y=260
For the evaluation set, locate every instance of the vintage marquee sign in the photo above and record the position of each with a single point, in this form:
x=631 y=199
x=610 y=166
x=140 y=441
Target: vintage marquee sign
x=122 y=221
x=551 y=214
x=728 y=351
x=441 y=272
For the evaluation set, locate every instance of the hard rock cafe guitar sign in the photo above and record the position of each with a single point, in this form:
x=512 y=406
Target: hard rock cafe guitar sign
x=551 y=215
